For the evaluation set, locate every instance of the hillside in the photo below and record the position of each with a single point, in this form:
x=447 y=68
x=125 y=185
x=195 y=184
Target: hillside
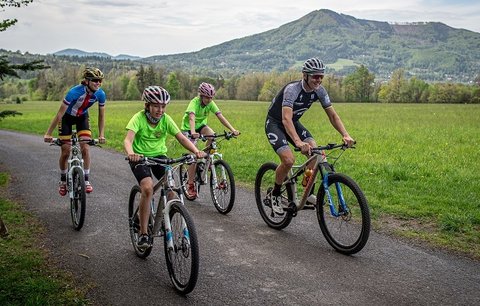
x=431 y=50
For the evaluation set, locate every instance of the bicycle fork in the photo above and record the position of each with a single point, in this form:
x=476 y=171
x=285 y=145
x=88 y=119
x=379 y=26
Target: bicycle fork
x=168 y=227
x=342 y=204
x=72 y=164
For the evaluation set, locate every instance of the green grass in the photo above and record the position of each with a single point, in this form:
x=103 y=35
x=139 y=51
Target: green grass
x=417 y=164
x=342 y=63
x=26 y=276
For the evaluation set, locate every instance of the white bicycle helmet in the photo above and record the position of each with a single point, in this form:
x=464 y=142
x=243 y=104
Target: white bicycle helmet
x=156 y=94
x=313 y=66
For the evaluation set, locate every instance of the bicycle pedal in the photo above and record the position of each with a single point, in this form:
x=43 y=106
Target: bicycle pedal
x=292 y=209
x=309 y=206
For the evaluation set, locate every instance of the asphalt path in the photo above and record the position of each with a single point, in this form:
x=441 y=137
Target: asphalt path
x=242 y=260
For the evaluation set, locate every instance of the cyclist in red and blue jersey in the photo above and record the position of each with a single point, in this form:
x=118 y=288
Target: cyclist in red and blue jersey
x=283 y=125
x=74 y=111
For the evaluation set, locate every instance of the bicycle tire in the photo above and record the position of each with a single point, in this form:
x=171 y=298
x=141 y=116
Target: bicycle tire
x=223 y=193
x=264 y=183
x=183 y=260
x=134 y=222
x=349 y=233
x=183 y=175
x=79 y=201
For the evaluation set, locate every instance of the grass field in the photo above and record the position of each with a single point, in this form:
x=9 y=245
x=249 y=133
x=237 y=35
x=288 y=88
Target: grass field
x=27 y=275
x=417 y=164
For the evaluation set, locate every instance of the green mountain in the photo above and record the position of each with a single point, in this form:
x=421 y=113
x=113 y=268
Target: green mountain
x=432 y=51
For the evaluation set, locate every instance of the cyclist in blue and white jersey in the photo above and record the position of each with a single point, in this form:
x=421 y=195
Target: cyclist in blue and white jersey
x=283 y=125
x=74 y=111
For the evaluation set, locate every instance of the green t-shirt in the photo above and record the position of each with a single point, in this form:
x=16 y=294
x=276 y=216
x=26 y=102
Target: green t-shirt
x=150 y=141
x=201 y=113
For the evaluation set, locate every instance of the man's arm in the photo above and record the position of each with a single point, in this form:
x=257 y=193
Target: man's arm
x=338 y=125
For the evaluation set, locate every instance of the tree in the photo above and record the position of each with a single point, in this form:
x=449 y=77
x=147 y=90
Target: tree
x=359 y=85
x=7 y=69
x=172 y=86
x=15 y=3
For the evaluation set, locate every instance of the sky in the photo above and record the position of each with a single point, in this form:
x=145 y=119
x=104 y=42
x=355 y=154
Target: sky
x=158 y=27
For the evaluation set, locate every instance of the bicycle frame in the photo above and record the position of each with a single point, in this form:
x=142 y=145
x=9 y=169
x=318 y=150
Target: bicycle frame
x=75 y=161
x=320 y=162
x=165 y=184
x=212 y=156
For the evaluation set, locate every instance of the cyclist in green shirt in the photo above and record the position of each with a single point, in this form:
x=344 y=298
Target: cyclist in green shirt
x=195 y=120
x=147 y=131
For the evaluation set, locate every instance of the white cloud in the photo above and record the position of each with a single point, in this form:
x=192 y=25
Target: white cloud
x=149 y=27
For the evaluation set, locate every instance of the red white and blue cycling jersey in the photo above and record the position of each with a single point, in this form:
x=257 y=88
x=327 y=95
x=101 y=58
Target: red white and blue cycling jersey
x=79 y=100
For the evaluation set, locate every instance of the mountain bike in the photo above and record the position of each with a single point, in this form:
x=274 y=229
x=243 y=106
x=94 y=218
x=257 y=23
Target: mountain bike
x=76 y=178
x=214 y=170
x=342 y=209
x=169 y=219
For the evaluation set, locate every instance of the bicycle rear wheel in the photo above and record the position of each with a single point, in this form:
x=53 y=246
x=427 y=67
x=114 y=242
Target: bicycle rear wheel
x=223 y=193
x=264 y=183
x=78 y=202
x=183 y=174
x=134 y=222
x=349 y=231
x=183 y=259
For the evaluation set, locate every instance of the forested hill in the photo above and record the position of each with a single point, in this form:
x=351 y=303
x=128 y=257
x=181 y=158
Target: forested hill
x=431 y=50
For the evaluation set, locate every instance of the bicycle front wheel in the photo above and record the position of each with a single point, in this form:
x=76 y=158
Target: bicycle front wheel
x=223 y=192
x=134 y=222
x=264 y=183
x=183 y=258
x=79 y=200
x=345 y=226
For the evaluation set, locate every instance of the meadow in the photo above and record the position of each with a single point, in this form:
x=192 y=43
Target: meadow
x=418 y=164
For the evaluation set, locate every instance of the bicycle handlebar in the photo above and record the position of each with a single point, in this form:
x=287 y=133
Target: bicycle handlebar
x=226 y=135
x=329 y=146
x=152 y=161
x=90 y=142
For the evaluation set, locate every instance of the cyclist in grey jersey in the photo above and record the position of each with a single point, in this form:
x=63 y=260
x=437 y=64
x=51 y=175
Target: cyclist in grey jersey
x=298 y=99
x=282 y=125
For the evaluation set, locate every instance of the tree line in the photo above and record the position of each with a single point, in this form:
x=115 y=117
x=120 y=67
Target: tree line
x=124 y=82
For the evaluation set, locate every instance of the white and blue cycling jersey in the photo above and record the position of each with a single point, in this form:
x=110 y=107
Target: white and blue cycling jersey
x=78 y=100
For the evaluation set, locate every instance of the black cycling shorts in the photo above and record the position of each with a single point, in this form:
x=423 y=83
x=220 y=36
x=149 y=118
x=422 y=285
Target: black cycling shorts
x=82 y=124
x=141 y=171
x=278 y=137
x=189 y=136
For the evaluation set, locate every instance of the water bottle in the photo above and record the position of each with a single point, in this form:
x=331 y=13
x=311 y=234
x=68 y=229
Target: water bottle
x=306 y=177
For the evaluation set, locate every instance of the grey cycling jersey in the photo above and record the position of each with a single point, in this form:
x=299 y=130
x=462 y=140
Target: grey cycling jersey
x=294 y=95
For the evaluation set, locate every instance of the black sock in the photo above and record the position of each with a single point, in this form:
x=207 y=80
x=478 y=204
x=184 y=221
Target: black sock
x=63 y=177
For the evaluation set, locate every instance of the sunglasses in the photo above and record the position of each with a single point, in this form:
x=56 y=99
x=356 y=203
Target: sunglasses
x=316 y=76
x=96 y=81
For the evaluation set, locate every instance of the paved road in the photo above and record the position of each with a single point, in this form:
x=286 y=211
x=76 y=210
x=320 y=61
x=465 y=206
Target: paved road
x=242 y=260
